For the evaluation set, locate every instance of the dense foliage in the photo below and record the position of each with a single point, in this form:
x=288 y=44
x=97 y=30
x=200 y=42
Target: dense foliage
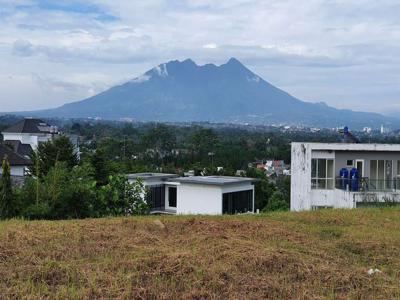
x=65 y=189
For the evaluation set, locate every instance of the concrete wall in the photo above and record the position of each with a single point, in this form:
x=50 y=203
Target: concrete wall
x=331 y=198
x=301 y=177
x=199 y=199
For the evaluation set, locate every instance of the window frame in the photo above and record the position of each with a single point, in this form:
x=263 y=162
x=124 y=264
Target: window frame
x=319 y=181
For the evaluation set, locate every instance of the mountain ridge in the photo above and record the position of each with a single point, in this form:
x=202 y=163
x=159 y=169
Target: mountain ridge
x=184 y=91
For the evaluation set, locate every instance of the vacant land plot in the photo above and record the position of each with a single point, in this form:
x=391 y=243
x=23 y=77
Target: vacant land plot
x=313 y=255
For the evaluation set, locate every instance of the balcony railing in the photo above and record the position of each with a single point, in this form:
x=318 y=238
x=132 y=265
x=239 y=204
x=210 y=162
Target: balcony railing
x=366 y=184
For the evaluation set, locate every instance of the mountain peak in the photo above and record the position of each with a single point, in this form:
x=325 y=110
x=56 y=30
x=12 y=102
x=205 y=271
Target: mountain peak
x=187 y=61
x=234 y=61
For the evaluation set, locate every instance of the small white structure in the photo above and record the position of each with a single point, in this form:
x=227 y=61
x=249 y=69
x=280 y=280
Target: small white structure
x=211 y=195
x=317 y=179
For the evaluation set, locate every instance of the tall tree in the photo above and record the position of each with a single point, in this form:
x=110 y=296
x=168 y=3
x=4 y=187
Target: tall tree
x=99 y=163
x=49 y=153
x=7 y=199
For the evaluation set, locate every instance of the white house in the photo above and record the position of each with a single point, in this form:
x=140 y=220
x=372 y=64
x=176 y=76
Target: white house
x=211 y=195
x=27 y=134
x=18 y=164
x=332 y=175
x=30 y=131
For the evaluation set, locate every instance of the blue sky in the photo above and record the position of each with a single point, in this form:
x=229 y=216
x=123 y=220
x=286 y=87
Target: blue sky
x=342 y=52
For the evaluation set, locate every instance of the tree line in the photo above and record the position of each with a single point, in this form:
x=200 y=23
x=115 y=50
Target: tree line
x=61 y=187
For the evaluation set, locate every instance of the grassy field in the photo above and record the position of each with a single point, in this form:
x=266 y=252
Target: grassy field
x=312 y=255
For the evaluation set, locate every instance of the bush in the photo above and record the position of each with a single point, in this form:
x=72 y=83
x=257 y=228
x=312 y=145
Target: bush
x=277 y=202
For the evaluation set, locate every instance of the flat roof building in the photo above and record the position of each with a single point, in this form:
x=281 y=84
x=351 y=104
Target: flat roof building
x=334 y=175
x=211 y=195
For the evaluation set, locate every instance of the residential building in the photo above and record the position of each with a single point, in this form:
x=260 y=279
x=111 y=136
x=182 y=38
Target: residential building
x=333 y=175
x=27 y=134
x=30 y=131
x=18 y=164
x=211 y=195
x=273 y=167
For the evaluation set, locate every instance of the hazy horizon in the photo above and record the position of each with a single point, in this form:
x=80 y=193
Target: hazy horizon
x=344 y=54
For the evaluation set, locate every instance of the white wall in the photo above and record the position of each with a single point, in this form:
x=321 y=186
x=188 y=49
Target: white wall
x=300 y=184
x=199 y=199
x=27 y=138
x=16 y=171
x=332 y=198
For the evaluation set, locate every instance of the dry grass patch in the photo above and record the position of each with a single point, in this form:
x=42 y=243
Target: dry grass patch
x=315 y=255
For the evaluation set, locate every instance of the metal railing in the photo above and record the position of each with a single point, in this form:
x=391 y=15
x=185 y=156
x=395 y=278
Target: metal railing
x=366 y=184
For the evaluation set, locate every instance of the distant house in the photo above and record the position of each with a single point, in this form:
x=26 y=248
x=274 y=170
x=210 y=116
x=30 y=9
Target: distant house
x=273 y=167
x=21 y=149
x=18 y=163
x=27 y=135
x=30 y=132
x=211 y=195
x=333 y=175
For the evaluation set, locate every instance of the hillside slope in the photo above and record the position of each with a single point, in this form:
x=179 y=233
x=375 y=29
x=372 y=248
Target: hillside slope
x=184 y=91
x=313 y=255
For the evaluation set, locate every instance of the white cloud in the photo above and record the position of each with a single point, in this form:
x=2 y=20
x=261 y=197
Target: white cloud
x=210 y=46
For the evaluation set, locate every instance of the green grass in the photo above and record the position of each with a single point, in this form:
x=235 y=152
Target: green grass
x=308 y=255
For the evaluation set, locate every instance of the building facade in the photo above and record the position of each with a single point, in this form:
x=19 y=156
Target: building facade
x=31 y=132
x=18 y=164
x=331 y=175
x=26 y=136
x=209 y=195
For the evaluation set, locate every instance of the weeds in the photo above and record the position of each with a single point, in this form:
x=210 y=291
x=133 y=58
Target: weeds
x=309 y=255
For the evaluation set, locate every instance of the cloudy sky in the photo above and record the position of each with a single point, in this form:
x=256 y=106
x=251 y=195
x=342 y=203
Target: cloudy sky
x=343 y=52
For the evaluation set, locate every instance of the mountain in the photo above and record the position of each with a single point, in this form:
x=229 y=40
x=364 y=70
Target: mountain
x=184 y=91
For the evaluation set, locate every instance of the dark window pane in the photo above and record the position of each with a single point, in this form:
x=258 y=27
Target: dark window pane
x=172 y=196
x=237 y=202
x=156 y=197
x=313 y=168
x=321 y=172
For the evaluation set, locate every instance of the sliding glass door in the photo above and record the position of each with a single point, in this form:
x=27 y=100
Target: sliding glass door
x=381 y=175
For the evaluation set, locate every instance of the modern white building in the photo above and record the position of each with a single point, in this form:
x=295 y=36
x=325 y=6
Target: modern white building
x=209 y=195
x=333 y=175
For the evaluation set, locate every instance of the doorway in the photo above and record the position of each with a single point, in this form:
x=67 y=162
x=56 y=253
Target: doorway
x=360 y=167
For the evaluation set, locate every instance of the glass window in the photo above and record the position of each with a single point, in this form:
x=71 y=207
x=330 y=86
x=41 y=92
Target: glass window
x=398 y=167
x=381 y=174
x=313 y=168
x=321 y=170
x=322 y=174
x=172 y=196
